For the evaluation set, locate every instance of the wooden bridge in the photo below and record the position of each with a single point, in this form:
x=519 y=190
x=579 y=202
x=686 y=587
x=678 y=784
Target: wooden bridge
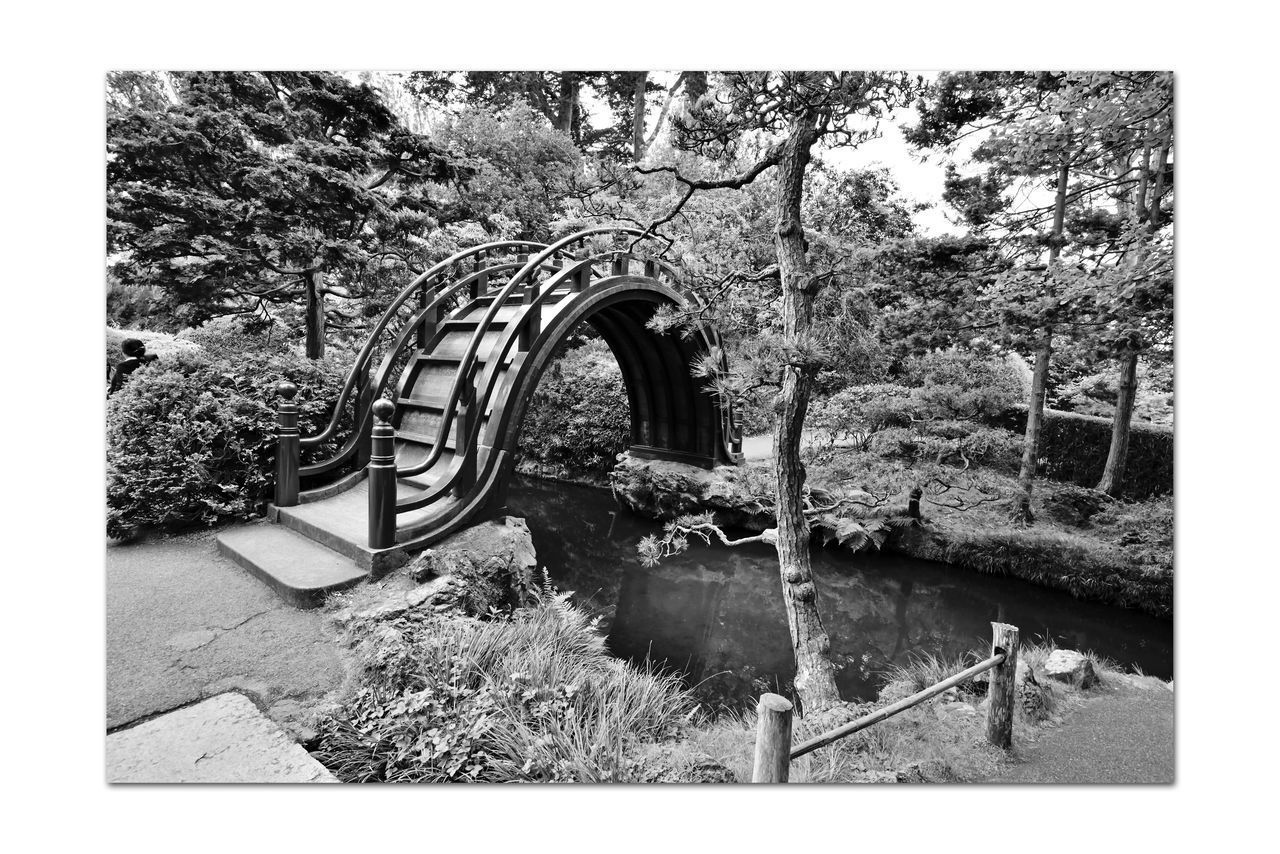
x=437 y=394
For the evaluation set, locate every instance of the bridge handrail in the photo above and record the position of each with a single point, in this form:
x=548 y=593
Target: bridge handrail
x=444 y=293
x=487 y=386
x=362 y=358
x=467 y=362
x=774 y=752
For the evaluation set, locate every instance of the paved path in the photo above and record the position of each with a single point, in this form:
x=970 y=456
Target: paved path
x=185 y=624
x=1120 y=735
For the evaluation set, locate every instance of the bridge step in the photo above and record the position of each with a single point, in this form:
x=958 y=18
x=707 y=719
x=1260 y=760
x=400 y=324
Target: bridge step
x=302 y=572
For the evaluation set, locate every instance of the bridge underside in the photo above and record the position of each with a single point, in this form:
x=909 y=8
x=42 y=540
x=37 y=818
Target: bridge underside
x=672 y=417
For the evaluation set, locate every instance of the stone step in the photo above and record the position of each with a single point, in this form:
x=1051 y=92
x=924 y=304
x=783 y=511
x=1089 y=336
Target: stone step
x=299 y=569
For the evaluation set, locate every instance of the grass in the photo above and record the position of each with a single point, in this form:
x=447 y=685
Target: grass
x=529 y=697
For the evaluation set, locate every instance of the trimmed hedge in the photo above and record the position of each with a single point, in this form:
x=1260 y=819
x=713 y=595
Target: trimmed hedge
x=1074 y=447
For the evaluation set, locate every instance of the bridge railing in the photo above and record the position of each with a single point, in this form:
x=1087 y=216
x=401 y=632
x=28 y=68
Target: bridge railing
x=774 y=751
x=433 y=290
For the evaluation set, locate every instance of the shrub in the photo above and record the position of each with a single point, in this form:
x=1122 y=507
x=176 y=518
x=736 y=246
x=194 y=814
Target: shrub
x=579 y=418
x=962 y=384
x=191 y=439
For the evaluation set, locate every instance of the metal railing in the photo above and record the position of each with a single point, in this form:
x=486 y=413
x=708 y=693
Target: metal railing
x=775 y=753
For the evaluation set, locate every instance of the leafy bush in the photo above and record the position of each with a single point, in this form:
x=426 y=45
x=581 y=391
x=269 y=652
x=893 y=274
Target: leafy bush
x=528 y=697
x=191 y=439
x=1074 y=448
x=579 y=418
x=961 y=384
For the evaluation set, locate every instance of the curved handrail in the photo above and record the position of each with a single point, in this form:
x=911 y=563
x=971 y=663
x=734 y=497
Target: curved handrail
x=383 y=374
x=486 y=389
x=367 y=350
x=467 y=363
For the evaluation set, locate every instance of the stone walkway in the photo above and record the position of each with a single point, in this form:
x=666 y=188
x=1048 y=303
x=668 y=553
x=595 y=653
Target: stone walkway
x=185 y=624
x=224 y=739
x=1124 y=734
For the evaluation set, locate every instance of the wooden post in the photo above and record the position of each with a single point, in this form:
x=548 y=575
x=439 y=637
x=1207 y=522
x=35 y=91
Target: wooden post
x=427 y=327
x=532 y=322
x=621 y=263
x=1002 y=692
x=287 y=447
x=582 y=278
x=382 y=477
x=364 y=400
x=462 y=424
x=773 y=740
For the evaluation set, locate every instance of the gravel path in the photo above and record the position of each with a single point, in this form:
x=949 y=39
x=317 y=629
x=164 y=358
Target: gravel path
x=184 y=623
x=1123 y=734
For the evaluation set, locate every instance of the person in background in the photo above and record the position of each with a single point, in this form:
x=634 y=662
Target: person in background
x=136 y=356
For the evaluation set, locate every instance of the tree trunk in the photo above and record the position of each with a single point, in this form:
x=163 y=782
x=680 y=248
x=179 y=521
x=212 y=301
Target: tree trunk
x=1112 y=482
x=637 y=117
x=314 y=281
x=815 y=675
x=567 y=103
x=1040 y=378
x=1031 y=442
x=1113 y=475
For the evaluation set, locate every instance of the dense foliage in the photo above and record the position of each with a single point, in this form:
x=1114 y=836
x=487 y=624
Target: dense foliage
x=579 y=419
x=191 y=439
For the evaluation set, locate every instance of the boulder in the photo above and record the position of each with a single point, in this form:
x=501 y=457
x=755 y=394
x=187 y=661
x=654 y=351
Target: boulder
x=486 y=566
x=1067 y=665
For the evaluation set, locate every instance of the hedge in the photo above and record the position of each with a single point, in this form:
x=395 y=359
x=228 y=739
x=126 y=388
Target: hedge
x=191 y=439
x=1074 y=448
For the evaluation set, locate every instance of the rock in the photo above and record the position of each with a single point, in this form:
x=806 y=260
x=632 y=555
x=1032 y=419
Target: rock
x=490 y=565
x=1075 y=505
x=1067 y=665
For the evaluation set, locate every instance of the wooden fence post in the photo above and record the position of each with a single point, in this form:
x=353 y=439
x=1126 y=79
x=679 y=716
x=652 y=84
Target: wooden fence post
x=1002 y=692
x=773 y=740
x=287 y=446
x=382 y=477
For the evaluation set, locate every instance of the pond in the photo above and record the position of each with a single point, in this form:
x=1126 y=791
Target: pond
x=715 y=614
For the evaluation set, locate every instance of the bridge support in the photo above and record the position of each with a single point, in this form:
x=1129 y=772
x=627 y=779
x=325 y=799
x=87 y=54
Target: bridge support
x=382 y=477
x=287 y=446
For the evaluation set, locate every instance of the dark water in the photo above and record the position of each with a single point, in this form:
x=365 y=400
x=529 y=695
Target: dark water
x=716 y=615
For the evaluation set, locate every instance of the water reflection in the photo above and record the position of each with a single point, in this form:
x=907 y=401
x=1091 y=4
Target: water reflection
x=716 y=614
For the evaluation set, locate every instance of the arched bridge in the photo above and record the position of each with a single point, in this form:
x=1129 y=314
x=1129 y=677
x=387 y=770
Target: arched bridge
x=437 y=393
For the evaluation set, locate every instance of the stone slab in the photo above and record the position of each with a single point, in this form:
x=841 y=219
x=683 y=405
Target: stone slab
x=224 y=739
x=300 y=570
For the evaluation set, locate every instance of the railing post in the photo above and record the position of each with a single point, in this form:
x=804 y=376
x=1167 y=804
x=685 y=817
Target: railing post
x=1002 y=692
x=428 y=326
x=773 y=740
x=582 y=278
x=462 y=424
x=532 y=322
x=382 y=477
x=364 y=400
x=287 y=447
x=621 y=263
